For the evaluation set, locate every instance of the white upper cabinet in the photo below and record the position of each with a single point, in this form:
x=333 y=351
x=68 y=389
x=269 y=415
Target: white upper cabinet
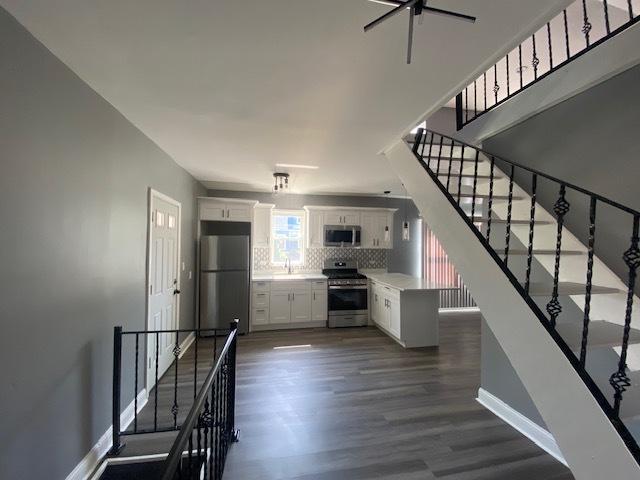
x=342 y=217
x=262 y=224
x=226 y=209
x=315 y=228
x=377 y=229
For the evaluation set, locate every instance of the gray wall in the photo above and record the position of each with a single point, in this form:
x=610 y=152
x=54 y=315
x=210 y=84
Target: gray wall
x=73 y=204
x=500 y=379
x=589 y=140
x=443 y=121
x=405 y=257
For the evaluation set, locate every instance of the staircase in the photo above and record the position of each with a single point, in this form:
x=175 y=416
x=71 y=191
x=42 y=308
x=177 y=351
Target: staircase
x=564 y=319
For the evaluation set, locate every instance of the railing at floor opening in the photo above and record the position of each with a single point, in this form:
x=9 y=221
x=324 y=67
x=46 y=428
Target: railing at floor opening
x=165 y=361
x=483 y=190
x=200 y=449
x=582 y=26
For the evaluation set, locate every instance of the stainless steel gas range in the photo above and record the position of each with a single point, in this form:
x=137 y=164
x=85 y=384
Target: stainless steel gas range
x=348 y=302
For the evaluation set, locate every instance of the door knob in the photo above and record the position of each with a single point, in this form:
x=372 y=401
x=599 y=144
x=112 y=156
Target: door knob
x=176 y=292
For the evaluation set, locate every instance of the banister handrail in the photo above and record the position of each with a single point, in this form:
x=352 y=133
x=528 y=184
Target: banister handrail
x=174 y=457
x=570 y=185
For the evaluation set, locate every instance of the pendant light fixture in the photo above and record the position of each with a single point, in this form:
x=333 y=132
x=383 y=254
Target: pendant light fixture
x=405 y=223
x=387 y=233
x=281 y=182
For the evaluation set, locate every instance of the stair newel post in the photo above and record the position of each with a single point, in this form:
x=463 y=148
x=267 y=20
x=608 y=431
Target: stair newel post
x=459 y=108
x=116 y=447
x=450 y=163
x=475 y=185
x=490 y=202
x=561 y=207
x=232 y=383
x=587 y=297
x=507 y=235
x=619 y=380
x=416 y=140
x=534 y=186
x=460 y=172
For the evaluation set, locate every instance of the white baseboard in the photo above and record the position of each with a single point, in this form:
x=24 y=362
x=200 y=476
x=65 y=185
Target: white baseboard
x=529 y=429
x=92 y=459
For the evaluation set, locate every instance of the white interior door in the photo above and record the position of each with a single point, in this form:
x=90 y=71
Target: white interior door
x=164 y=288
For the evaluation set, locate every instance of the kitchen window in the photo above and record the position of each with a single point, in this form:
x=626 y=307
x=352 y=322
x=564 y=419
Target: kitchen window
x=287 y=237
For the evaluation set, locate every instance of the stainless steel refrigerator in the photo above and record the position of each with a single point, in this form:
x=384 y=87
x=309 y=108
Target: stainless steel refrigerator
x=224 y=281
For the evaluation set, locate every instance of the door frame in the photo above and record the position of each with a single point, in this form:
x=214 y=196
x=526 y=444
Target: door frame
x=152 y=195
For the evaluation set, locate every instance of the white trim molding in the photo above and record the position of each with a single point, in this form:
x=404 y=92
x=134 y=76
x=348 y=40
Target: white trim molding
x=90 y=462
x=529 y=429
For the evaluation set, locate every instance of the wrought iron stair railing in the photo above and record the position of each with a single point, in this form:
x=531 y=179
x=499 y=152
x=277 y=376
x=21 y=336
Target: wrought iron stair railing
x=177 y=382
x=549 y=267
x=579 y=28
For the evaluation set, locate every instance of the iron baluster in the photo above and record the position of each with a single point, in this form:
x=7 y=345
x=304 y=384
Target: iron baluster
x=484 y=79
x=475 y=183
x=535 y=61
x=507 y=69
x=496 y=87
x=561 y=208
x=417 y=139
x=587 y=297
x=135 y=386
x=424 y=144
x=174 y=407
x=439 y=156
x=507 y=235
x=475 y=102
x=630 y=5
x=550 y=46
x=450 y=164
x=466 y=106
x=606 y=16
x=155 y=401
x=520 y=65
x=190 y=454
x=619 y=380
x=232 y=382
x=490 y=202
x=212 y=392
x=534 y=185
x=205 y=418
x=586 y=26
x=460 y=173
x=566 y=33
x=430 y=149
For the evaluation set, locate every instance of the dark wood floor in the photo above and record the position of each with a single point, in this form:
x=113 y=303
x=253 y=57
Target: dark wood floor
x=355 y=405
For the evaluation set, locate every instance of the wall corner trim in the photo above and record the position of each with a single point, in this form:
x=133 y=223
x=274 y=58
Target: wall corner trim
x=529 y=429
x=90 y=462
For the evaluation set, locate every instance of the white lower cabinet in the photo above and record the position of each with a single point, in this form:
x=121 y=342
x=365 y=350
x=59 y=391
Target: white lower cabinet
x=289 y=303
x=410 y=317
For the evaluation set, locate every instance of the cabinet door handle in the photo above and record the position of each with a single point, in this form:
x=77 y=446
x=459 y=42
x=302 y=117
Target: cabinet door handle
x=314 y=295
x=293 y=295
x=222 y=211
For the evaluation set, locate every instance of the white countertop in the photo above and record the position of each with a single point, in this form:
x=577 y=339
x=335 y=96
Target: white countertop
x=403 y=282
x=268 y=277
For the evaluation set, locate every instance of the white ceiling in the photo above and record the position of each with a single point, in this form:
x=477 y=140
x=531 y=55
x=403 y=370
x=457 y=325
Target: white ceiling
x=230 y=88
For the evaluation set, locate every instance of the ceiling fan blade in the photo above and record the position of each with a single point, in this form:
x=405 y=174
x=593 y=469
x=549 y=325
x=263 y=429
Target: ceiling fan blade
x=391 y=13
x=447 y=13
x=410 y=44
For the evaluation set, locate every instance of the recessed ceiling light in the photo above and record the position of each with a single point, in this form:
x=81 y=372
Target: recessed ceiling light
x=295 y=165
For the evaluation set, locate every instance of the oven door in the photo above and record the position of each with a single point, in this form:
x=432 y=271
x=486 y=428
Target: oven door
x=347 y=299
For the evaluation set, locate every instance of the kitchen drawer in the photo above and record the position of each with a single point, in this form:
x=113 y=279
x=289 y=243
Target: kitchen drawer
x=260 y=299
x=261 y=285
x=289 y=286
x=319 y=284
x=260 y=316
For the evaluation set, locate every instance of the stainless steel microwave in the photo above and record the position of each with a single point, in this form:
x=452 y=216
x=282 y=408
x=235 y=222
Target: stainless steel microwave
x=341 y=236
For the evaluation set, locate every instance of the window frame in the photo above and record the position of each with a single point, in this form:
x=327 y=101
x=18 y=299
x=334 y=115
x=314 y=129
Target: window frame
x=303 y=223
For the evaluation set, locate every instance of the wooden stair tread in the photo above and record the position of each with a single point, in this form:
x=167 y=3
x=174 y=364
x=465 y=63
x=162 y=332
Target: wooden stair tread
x=538 y=289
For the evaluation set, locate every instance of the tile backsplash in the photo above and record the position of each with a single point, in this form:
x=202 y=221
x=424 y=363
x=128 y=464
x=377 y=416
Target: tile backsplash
x=315 y=257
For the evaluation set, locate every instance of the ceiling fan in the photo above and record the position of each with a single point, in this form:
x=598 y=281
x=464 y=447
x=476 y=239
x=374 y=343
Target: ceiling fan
x=416 y=8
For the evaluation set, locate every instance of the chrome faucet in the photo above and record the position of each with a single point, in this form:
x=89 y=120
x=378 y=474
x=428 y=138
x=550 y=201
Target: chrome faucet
x=287 y=265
